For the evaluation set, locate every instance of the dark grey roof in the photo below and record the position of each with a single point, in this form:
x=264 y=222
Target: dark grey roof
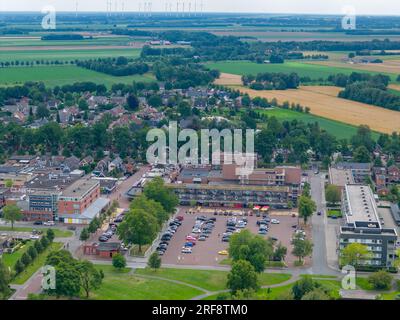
x=9 y=169
x=354 y=166
x=395 y=210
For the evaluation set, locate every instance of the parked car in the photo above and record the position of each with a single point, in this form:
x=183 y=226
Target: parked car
x=202 y=238
x=189 y=244
x=103 y=238
x=38 y=223
x=186 y=250
x=179 y=218
x=49 y=223
x=275 y=221
x=223 y=252
x=262 y=231
x=34 y=236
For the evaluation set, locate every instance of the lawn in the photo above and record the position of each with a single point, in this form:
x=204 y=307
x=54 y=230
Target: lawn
x=57 y=232
x=67 y=55
x=338 y=129
x=334 y=213
x=121 y=285
x=302 y=69
x=60 y=75
x=37 y=263
x=210 y=280
x=275 y=293
x=10 y=259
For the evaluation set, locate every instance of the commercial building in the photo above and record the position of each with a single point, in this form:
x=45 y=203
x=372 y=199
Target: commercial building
x=42 y=205
x=363 y=226
x=80 y=202
x=220 y=186
x=359 y=171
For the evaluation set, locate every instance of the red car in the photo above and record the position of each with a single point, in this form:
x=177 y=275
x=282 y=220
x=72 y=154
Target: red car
x=192 y=239
x=180 y=218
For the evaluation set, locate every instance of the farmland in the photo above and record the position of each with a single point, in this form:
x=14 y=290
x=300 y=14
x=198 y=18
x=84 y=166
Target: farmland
x=338 y=129
x=314 y=71
x=66 y=55
x=323 y=102
x=60 y=75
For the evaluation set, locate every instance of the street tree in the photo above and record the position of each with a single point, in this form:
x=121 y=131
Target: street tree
x=353 y=254
x=332 y=194
x=157 y=191
x=307 y=207
x=12 y=213
x=301 y=247
x=139 y=227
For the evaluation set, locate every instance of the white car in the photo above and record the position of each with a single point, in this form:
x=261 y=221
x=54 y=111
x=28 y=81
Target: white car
x=275 y=221
x=34 y=236
x=186 y=250
x=49 y=223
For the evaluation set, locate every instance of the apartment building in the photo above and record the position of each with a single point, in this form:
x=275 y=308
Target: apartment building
x=363 y=225
x=42 y=205
x=220 y=186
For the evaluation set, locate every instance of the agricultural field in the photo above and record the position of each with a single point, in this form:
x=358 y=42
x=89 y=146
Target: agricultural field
x=338 y=129
x=303 y=69
x=9 y=42
x=323 y=102
x=67 y=55
x=60 y=75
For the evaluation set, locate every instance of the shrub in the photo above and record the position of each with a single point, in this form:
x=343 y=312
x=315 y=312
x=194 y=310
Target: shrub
x=381 y=280
x=119 y=261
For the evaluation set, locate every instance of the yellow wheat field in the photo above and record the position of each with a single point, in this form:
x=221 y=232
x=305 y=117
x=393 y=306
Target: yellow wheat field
x=323 y=101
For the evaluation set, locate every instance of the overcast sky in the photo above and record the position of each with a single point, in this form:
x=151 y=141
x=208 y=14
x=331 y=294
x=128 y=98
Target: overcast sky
x=385 y=7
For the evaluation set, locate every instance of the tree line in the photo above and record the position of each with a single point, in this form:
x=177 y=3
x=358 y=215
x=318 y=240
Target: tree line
x=117 y=67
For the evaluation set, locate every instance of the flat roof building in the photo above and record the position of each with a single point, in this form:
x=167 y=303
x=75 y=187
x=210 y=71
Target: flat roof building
x=362 y=225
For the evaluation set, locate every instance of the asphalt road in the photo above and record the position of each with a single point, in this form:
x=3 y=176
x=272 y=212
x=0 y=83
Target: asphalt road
x=319 y=257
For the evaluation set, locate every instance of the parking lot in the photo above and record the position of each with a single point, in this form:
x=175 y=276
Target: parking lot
x=205 y=253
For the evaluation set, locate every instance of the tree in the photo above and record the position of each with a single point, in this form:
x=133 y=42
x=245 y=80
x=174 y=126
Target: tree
x=26 y=259
x=12 y=213
x=332 y=194
x=19 y=267
x=242 y=276
x=354 y=253
x=302 y=287
x=50 y=235
x=32 y=252
x=118 y=261
x=4 y=280
x=381 y=280
x=280 y=252
x=138 y=227
x=42 y=112
x=44 y=242
x=132 y=102
x=157 y=191
x=38 y=246
x=301 y=247
x=90 y=277
x=252 y=248
x=306 y=208
x=84 y=234
x=316 y=294
x=362 y=155
x=68 y=280
x=154 y=261
x=8 y=183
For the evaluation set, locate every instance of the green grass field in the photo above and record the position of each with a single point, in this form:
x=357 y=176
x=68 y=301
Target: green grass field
x=120 y=285
x=67 y=55
x=36 y=41
x=60 y=75
x=57 y=232
x=211 y=280
x=302 y=69
x=338 y=129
